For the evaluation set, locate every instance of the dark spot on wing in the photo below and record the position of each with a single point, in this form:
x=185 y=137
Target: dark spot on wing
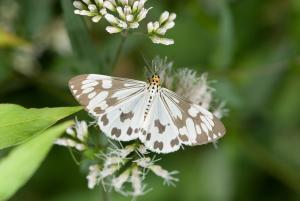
x=129 y=131
x=160 y=126
x=174 y=142
x=104 y=120
x=158 y=145
x=116 y=132
x=148 y=137
x=183 y=138
x=125 y=116
x=98 y=110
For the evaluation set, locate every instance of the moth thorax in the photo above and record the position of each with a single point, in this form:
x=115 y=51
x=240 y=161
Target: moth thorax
x=154 y=80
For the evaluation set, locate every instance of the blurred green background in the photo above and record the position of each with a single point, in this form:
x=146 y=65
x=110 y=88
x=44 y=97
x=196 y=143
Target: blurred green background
x=252 y=49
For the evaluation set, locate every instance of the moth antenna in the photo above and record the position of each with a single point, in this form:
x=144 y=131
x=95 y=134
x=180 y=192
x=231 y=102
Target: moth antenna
x=148 y=67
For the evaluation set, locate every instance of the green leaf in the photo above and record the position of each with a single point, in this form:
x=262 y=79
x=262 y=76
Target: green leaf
x=24 y=160
x=18 y=124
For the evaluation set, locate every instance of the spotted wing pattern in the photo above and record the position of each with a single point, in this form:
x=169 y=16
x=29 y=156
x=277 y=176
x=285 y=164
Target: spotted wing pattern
x=195 y=124
x=117 y=103
x=159 y=133
x=173 y=122
x=120 y=104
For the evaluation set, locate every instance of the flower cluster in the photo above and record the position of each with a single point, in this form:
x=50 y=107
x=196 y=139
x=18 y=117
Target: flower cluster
x=128 y=164
x=123 y=169
x=187 y=83
x=123 y=15
x=158 y=29
x=77 y=136
x=94 y=9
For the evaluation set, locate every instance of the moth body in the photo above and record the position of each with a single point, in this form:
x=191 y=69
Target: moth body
x=153 y=89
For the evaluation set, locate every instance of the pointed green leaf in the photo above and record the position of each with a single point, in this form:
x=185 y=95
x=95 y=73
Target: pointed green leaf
x=24 y=160
x=18 y=124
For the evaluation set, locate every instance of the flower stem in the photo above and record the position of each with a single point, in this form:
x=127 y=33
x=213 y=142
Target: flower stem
x=105 y=195
x=119 y=50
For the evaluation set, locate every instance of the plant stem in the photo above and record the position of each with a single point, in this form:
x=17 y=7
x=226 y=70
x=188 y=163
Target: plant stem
x=119 y=50
x=105 y=195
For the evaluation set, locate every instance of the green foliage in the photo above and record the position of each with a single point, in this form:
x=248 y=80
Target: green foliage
x=19 y=124
x=250 y=47
x=80 y=39
x=23 y=161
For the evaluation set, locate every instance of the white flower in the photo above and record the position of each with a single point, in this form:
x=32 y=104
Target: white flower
x=158 y=40
x=124 y=152
x=81 y=130
x=167 y=176
x=119 y=181
x=185 y=82
x=92 y=177
x=142 y=149
x=77 y=136
x=136 y=181
x=126 y=14
x=144 y=162
x=108 y=171
x=112 y=30
x=113 y=160
x=94 y=9
x=156 y=30
x=70 y=143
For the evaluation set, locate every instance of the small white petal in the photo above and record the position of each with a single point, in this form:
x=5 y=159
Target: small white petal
x=121 y=13
x=155 y=25
x=77 y=12
x=124 y=2
x=164 y=17
x=103 y=11
x=81 y=130
x=142 y=15
x=134 y=25
x=92 y=8
x=112 y=30
x=172 y=17
x=96 y=18
x=99 y=3
x=169 y=25
x=111 y=19
x=61 y=142
x=70 y=131
x=161 y=31
x=129 y=18
x=84 y=12
x=150 y=27
x=118 y=182
x=159 y=40
x=122 y=24
x=87 y=1
x=141 y=4
x=109 y=5
x=135 y=6
x=127 y=10
x=136 y=182
x=78 y=5
x=80 y=147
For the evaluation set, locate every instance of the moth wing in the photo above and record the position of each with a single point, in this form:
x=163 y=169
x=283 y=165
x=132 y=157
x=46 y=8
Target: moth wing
x=195 y=124
x=117 y=103
x=159 y=133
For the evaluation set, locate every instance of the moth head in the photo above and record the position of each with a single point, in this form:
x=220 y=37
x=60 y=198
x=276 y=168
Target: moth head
x=155 y=79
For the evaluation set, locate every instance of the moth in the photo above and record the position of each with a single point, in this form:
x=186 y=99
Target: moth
x=128 y=109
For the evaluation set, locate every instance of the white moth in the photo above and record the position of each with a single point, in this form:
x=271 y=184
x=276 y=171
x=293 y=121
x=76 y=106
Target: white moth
x=128 y=109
